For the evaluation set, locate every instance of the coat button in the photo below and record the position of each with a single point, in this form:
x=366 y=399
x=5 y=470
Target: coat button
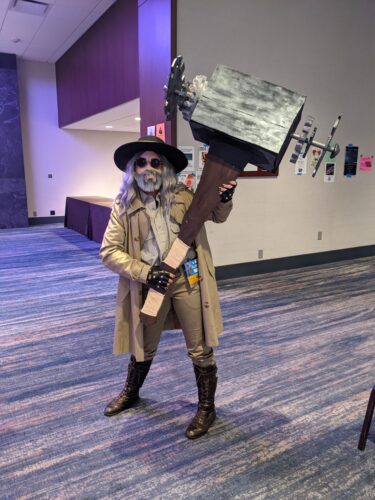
x=136 y=238
x=206 y=304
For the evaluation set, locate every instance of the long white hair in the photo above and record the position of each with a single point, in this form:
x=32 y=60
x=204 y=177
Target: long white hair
x=128 y=185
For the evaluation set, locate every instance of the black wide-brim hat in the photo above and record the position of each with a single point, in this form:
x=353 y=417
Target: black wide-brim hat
x=150 y=143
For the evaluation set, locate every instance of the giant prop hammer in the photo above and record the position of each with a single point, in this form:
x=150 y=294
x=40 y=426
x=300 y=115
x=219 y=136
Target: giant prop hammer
x=243 y=120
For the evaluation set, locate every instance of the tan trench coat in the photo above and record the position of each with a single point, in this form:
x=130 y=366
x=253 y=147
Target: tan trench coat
x=121 y=252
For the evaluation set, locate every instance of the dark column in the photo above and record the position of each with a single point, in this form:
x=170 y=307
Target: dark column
x=157 y=48
x=13 y=205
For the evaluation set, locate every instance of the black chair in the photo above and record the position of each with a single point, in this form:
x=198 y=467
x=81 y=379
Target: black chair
x=367 y=422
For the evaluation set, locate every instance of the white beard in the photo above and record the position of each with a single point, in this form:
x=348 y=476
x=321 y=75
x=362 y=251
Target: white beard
x=149 y=181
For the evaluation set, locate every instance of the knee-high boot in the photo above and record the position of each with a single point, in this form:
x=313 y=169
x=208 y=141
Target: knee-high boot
x=206 y=382
x=137 y=372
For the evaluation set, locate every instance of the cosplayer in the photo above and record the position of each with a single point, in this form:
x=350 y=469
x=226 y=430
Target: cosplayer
x=145 y=221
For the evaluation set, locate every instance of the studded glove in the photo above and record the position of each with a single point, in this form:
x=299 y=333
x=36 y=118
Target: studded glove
x=227 y=195
x=158 y=279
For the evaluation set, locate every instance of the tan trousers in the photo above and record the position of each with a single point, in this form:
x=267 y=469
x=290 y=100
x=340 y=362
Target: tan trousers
x=186 y=302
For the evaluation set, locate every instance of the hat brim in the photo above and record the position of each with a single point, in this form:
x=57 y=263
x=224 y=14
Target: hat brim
x=125 y=152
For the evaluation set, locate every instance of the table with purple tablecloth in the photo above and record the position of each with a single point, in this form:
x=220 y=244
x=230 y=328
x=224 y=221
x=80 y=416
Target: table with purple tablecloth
x=88 y=215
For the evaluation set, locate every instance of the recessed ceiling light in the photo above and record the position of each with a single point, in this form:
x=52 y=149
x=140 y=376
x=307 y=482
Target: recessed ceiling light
x=109 y=126
x=137 y=118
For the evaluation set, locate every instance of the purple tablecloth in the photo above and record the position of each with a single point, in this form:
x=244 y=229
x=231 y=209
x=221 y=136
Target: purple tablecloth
x=88 y=215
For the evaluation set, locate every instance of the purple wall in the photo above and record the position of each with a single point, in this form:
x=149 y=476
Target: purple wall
x=100 y=70
x=13 y=206
x=157 y=48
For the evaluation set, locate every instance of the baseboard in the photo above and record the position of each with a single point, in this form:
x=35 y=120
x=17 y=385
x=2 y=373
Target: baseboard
x=311 y=259
x=36 y=221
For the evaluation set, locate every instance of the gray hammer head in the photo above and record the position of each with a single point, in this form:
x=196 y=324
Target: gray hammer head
x=250 y=119
x=256 y=115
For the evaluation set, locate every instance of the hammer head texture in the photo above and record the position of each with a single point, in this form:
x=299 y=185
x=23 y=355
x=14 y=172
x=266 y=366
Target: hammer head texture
x=248 y=113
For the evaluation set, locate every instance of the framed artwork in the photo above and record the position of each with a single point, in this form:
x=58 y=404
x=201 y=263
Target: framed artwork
x=253 y=171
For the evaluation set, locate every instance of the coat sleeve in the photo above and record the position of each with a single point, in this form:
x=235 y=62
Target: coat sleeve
x=113 y=254
x=221 y=212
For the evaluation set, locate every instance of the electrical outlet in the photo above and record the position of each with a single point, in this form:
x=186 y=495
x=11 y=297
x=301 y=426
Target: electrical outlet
x=320 y=235
x=49 y=176
x=35 y=213
x=260 y=254
x=52 y=212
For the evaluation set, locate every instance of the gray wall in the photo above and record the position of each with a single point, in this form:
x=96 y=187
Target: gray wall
x=323 y=49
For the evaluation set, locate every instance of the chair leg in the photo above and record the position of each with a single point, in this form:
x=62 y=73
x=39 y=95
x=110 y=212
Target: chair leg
x=367 y=422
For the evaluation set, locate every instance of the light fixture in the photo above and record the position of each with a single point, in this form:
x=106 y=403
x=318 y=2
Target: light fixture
x=137 y=118
x=109 y=126
x=32 y=7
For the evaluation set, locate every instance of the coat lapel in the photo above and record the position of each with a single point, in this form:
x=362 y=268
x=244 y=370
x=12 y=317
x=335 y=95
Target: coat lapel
x=140 y=223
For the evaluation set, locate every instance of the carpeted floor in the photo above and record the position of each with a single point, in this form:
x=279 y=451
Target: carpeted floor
x=296 y=365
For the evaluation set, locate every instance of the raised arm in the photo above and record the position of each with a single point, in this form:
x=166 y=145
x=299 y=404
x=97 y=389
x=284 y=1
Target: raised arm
x=222 y=210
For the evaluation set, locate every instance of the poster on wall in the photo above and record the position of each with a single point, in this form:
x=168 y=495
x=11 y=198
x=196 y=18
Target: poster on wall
x=198 y=178
x=365 y=163
x=314 y=157
x=301 y=165
x=329 y=174
x=160 y=131
x=188 y=178
x=202 y=152
x=351 y=160
x=151 y=130
x=189 y=153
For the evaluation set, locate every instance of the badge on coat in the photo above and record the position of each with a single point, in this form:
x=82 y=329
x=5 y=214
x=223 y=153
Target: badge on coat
x=191 y=271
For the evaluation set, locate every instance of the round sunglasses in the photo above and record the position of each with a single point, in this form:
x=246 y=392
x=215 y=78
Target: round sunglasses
x=154 y=162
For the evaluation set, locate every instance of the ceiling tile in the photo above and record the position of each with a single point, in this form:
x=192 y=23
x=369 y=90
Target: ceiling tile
x=8 y=47
x=3 y=11
x=20 y=25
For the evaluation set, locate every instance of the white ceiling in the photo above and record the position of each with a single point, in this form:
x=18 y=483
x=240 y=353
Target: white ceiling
x=121 y=118
x=47 y=37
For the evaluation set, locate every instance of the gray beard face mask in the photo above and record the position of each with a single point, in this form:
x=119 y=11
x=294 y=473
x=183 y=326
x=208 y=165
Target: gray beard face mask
x=149 y=181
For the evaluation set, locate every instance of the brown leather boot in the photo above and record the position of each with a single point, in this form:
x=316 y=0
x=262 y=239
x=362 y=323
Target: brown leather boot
x=206 y=382
x=137 y=372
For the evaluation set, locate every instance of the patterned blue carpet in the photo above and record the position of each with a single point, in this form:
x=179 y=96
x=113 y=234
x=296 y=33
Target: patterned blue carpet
x=296 y=365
